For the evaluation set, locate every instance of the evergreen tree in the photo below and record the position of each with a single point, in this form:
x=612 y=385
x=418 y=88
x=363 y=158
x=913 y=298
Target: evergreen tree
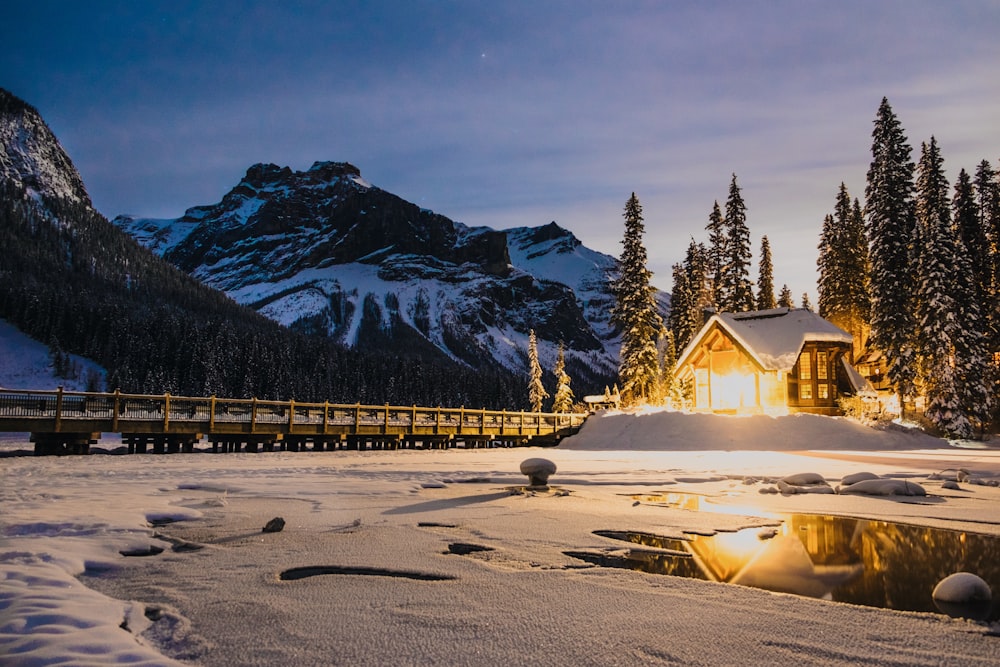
x=844 y=273
x=536 y=390
x=635 y=314
x=806 y=303
x=890 y=218
x=987 y=193
x=977 y=374
x=736 y=289
x=692 y=294
x=681 y=304
x=765 y=280
x=669 y=387
x=972 y=234
x=785 y=298
x=717 y=253
x=938 y=318
x=563 y=400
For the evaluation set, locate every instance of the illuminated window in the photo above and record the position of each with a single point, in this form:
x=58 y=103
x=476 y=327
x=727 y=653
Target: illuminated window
x=821 y=367
x=805 y=391
x=823 y=390
x=805 y=366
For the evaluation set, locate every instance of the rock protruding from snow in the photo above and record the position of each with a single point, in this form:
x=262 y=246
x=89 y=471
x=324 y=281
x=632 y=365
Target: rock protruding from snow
x=963 y=595
x=275 y=525
x=538 y=471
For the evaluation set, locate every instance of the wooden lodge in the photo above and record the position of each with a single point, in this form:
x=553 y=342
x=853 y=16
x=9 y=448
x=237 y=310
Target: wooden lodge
x=769 y=362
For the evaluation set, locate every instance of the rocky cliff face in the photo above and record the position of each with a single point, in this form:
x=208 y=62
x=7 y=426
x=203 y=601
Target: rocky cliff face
x=325 y=251
x=31 y=157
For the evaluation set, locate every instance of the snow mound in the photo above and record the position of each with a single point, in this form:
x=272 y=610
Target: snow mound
x=665 y=430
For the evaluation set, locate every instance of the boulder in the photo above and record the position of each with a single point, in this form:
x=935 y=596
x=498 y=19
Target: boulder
x=963 y=595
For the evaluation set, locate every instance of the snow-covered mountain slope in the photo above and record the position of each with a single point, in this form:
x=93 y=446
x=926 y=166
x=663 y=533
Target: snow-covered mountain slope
x=27 y=364
x=325 y=251
x=32 y=157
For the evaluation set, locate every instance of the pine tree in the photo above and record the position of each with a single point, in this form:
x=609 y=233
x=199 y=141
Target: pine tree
x=844 y=273
x=635 y=314
x=736 y=289
x=536 y=390
x=806 y=303
x=765 y=280
x=563 y=400
x=717 y=253
x=785 y=298
x=691 y=296
x=669 y=387
x=681 y=304
x=890 y=218
x=972 y=234
x=987 y=193
x=937 y=313
x=976 y=373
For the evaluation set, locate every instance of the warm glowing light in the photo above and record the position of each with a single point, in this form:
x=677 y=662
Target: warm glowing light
x=733 y=391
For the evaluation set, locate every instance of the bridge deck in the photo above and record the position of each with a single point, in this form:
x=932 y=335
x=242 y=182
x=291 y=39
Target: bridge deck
x=61 y=418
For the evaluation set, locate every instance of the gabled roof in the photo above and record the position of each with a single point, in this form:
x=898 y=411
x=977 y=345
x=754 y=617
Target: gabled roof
x=774 y=338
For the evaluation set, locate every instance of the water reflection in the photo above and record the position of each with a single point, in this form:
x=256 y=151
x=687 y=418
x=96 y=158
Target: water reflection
x=859 y=561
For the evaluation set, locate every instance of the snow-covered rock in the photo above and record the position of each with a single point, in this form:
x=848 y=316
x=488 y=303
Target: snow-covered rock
x=962 y=587
x=885 y=487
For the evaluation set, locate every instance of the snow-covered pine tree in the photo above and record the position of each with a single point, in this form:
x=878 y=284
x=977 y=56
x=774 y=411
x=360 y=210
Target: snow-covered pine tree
x=691 y=296
x=938 y=318
x=843 y=269
x=973 y=235
x=889 y=217
x=563 y=399
x=806 y=303
x=765 y=277
x=536 y=390
x=669 y=386
x=717 y=252
x=785 y=298
x=987 y=192
x=681 y=304
x=736 y=289
x=976 y=374
x=635 y=314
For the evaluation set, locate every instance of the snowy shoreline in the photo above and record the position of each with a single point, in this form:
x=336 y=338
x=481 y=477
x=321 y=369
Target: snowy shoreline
x=68 y=596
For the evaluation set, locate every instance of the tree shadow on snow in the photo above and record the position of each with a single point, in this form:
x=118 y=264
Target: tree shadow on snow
x=447 y=503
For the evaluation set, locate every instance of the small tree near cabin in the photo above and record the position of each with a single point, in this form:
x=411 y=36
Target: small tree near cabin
x=563 y=400
x=536 y=390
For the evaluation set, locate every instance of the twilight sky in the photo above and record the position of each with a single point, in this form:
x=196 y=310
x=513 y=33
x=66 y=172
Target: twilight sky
x=516 y=112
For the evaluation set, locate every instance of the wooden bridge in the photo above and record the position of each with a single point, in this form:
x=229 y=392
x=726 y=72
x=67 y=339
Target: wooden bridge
x=65 y=422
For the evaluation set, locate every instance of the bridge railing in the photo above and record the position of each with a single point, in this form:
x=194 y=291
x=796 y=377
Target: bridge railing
x=112 y=410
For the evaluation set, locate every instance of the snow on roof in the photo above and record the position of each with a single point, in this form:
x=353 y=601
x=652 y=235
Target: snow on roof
x=774 y=338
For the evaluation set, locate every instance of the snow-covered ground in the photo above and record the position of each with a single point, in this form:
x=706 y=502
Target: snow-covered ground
x=69 y=597
x=27 y=364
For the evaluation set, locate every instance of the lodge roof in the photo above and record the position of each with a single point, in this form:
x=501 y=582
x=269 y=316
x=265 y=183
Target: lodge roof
x=773 y=337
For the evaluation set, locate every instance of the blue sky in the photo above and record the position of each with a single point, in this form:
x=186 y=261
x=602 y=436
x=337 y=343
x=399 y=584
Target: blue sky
x=514 y=113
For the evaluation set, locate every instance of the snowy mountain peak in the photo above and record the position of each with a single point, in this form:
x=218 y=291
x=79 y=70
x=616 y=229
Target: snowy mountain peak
x=325 y=251
x=32 y=157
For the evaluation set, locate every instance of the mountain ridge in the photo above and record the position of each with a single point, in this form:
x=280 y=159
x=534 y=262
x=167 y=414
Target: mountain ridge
x=326 y=251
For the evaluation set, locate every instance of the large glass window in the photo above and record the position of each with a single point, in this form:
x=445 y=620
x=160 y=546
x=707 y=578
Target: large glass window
x=805 y=391
x=823 y=391
x=821 y=366
x=805 y=366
